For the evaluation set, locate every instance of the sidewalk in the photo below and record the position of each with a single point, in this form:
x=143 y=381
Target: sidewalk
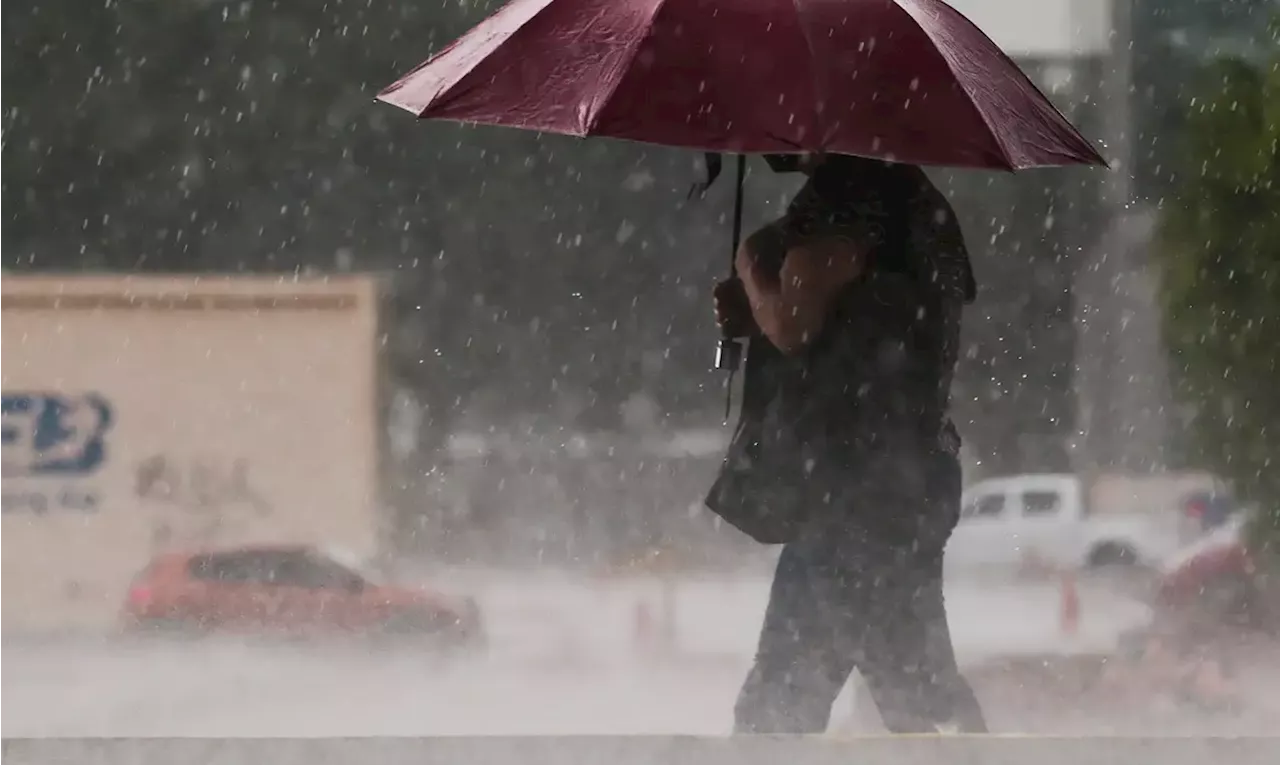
x=1159 y=693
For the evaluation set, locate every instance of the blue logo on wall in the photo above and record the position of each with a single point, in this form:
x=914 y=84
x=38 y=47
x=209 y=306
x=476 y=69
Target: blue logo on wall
x=56 y=438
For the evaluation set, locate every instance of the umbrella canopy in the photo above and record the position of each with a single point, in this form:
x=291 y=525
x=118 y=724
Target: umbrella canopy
x=905 y=80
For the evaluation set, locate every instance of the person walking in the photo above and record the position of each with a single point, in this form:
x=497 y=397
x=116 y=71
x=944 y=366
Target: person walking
x=852 y=303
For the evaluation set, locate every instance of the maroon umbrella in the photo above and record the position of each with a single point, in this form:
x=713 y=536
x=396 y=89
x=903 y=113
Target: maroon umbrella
x=906 y=80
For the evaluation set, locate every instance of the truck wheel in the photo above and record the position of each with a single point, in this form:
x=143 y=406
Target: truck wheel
x=1112 y=554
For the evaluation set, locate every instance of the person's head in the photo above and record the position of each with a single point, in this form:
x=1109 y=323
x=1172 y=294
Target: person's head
x=838 y=181
x=803 y=162
x=810 y=161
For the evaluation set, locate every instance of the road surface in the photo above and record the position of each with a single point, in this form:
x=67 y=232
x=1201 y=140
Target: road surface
x=565 y=659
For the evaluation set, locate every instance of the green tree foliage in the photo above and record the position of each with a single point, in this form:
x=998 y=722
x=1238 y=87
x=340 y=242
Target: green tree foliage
x=1172 y=40
x=1220 y=248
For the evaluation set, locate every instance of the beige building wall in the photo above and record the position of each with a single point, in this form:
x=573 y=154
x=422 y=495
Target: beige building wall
x=146 y=414
x=1054 y=29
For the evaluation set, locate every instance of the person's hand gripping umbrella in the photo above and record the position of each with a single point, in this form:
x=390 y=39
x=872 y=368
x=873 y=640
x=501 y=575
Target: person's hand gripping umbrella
x=902 y=80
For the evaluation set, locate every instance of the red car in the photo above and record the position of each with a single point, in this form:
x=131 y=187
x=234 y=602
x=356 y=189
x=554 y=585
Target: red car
x=290 y=589
x=1215 y=577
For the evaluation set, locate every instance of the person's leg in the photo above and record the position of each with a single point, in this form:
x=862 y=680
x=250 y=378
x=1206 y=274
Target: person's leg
x=906 y=654
x=798 y=673
x=857 y=592
x=908 y=660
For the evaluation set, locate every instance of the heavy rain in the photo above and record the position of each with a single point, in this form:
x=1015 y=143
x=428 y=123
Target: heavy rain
x=327 y=418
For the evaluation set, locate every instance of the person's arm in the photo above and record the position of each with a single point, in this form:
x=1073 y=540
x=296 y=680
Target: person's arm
x=790 y=308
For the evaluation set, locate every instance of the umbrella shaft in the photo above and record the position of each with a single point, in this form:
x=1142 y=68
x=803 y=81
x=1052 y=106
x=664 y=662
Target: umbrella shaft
x=740 y=185
x=729 y=351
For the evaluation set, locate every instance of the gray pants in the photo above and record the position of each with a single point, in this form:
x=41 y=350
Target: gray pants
x=864 y=596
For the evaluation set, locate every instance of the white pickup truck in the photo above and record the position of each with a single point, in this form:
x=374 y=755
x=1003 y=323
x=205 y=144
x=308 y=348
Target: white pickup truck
x=1063 y=520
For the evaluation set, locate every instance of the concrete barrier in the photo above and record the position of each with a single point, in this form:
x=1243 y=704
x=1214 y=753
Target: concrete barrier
x=652 y=750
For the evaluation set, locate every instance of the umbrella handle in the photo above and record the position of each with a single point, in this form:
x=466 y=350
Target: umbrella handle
x=729 y=357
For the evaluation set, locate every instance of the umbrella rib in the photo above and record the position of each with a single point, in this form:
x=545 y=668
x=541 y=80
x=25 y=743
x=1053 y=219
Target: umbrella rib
x=968 y=95
x=442 y=91
x=598 y=107
x=819 y=87
x=1017 y=72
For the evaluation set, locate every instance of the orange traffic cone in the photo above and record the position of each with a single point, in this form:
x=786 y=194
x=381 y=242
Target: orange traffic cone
x=1069 y=605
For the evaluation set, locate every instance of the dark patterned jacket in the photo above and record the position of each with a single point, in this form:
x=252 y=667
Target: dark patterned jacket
x=877 y=379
